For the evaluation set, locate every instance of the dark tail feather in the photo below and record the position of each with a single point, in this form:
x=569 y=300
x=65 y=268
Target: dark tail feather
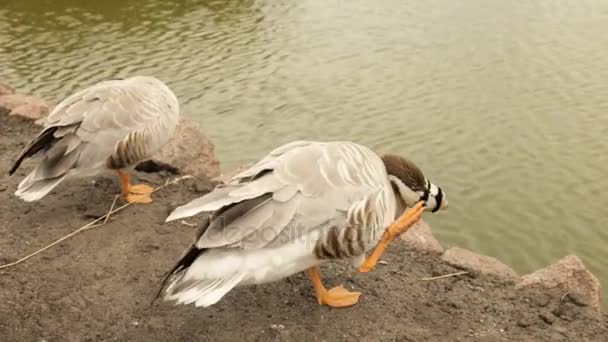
x=186 y=259
x=222 y=216
x=42 y=141
x=184 y=262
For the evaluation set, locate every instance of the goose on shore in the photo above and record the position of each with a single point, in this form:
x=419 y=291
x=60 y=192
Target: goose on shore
x=110 y=126
x=303 y=204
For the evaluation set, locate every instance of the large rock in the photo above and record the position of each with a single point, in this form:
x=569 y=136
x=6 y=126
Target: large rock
x=26 y=106
x=6 y=89
x=571 y=276
x=32 y=111
x=190 y=151
x=421 y=238
x=473 y=262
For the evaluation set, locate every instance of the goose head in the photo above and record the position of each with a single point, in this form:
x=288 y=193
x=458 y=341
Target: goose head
x=411 y=186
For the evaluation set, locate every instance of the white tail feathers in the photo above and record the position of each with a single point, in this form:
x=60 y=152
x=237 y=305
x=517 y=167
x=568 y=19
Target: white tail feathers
x=203 y=292
x=32 y=190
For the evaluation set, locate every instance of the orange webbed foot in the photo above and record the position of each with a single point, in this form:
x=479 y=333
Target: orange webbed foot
x=136 y=193
x=339 y=297
x=139 y=193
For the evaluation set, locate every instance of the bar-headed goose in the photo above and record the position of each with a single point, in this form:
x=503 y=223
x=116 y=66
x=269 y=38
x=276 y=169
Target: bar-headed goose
x=303 y=204
x=112 y=125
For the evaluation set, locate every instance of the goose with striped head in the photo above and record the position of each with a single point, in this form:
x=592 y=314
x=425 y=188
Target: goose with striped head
x=110 y=126
x=302 y=205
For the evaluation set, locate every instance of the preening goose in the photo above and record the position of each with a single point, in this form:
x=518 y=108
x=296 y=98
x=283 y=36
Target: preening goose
x=110 y=126
x=303 y=204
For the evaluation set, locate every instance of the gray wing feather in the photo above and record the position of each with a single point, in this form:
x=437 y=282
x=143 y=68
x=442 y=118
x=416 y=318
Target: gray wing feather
x=285 y=194
x=224 y=196
x=220 y=235
x=271 y=161
x=312 y=185
x=265 y=184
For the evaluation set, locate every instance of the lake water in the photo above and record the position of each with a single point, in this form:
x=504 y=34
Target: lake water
x=502 y=103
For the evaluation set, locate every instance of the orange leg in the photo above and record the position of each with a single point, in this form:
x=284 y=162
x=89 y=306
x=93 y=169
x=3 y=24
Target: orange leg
x=138 y=193
x=400 y=226
x=337 y=297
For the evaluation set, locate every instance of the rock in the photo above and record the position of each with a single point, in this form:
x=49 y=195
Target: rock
x=26 y=106
x=571 y=276
x=541 y=300
x=525 y=320
x=421 y=238
x=190 y=151
x=465 y=259
x=6 y=89
x=31 y=111
x=547 y=317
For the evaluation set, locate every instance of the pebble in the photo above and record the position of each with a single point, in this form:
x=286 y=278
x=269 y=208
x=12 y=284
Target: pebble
x=577 y=299
x=98 y=275
x=525 y=321
x=541 y=300
x=547 y=317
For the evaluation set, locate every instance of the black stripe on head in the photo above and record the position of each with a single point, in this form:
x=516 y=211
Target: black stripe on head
x=438 y=199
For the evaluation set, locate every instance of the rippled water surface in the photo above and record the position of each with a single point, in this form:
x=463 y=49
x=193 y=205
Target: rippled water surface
x=502 y=103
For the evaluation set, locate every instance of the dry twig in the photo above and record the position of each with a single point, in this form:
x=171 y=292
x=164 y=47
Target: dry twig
x=445 y=276
x=90 y=225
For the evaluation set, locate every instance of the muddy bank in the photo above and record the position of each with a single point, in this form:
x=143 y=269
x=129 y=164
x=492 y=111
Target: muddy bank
x=97 y=285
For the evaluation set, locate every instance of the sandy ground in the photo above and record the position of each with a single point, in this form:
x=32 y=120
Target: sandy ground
x=97 y=286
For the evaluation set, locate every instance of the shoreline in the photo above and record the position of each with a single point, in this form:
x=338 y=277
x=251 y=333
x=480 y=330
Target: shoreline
x=97 y=284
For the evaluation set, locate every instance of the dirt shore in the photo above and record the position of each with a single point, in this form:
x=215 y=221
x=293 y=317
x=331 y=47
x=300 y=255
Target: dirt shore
x=97 y=286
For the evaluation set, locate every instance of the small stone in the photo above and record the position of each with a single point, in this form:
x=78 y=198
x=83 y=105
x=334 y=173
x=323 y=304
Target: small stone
x=541 y=300
x=557 y=311
x=277 y=326
x=547 y=317
x=524 y=322
x=561 y=330
x=577 y=298
x=476 y=288
x=202 y=186
x=383 y=262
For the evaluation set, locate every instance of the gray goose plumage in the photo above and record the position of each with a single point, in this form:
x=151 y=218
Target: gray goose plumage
x=303 y=204
x=112 y=125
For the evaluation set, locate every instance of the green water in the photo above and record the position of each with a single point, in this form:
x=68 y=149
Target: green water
x=503 y=103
